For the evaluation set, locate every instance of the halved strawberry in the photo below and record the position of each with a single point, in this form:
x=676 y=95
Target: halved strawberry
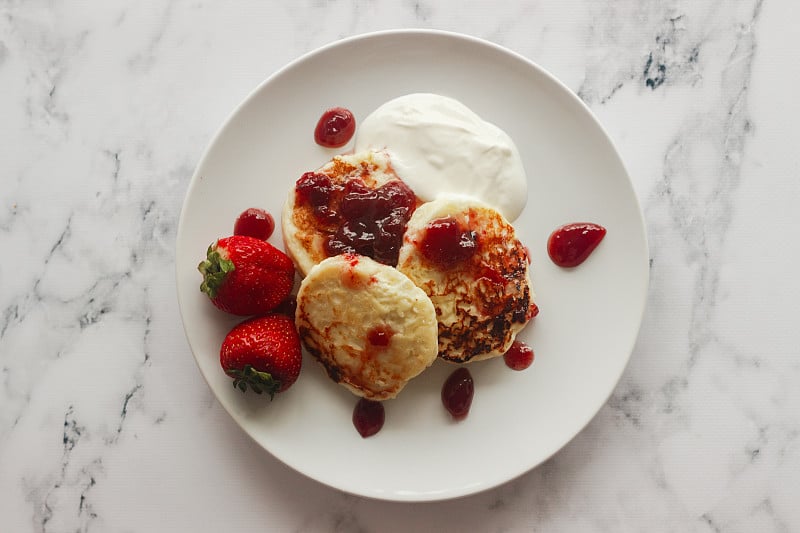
x=262 y=354
x=246 y=276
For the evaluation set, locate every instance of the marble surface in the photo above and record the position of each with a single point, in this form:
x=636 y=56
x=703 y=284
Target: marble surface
x=105 y=421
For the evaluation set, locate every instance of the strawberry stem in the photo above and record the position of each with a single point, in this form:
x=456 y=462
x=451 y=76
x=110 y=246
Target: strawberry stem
x=214 y=270
x=257 y=381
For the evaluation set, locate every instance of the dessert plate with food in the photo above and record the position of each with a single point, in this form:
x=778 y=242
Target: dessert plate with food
x=413 y=279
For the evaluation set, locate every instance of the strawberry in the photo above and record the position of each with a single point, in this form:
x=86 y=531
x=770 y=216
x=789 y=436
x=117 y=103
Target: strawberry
x=246 y=276
x=262 y=353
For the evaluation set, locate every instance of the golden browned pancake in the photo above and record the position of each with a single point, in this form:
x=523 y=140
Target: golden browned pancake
x=483 y=300
x=368 y=324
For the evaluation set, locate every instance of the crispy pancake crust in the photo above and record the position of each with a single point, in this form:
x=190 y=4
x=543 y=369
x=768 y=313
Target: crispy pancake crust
x=482 y=302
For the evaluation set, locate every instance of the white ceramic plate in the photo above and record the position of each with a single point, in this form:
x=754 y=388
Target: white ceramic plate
x=589 y=316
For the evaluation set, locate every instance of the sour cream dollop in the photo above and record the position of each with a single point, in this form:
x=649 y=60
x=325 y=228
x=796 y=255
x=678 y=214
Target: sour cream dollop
x=439 y=146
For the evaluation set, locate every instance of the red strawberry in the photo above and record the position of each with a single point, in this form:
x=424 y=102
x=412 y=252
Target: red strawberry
x=246 y=276
x=262 y=353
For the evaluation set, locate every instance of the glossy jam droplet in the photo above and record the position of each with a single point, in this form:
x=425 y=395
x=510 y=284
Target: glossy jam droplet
x=380 y=336
x=445 y=243
x=457 y=393
x=256 y=223
x=519 y=356
x=571 y=244
x=368 y=417
x=314 y=189
x=335 y=128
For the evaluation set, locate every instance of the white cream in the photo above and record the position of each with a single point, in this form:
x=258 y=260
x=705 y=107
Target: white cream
x=440 y=146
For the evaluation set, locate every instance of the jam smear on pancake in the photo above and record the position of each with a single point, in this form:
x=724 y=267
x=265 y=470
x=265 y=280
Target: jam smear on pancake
x=379 y=336
x=356 y=218
x=447 y=243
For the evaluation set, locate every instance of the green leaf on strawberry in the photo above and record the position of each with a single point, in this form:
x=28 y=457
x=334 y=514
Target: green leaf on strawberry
x=259 y=382
x=214 y=270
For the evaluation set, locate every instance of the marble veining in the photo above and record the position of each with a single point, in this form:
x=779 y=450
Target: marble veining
x=105 y=423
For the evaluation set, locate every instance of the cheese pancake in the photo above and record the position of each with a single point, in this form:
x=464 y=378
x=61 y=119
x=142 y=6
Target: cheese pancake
x=467 y=258
x=367 y=324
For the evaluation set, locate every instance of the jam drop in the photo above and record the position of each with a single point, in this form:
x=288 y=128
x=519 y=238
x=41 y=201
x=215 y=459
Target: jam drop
x=446 y=244
x=519 y=356
x=255 y=223
x=335 y=128
x=368 y=417
x=380 y=336
x=570 y=245
x=457 y=393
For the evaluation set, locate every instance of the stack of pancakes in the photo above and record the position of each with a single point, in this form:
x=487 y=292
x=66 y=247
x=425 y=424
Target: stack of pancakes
x=467 y=311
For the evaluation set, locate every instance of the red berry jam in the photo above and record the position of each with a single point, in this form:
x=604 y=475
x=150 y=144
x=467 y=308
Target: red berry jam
x=492 y=275
x=519 y=356
x=457 y=393
x=358 y=219
x=380 y=336
x=445 y=243
x=335 y=128
x=368 y=417
x=570 y=245
x=256 y=223
x=314 y=189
